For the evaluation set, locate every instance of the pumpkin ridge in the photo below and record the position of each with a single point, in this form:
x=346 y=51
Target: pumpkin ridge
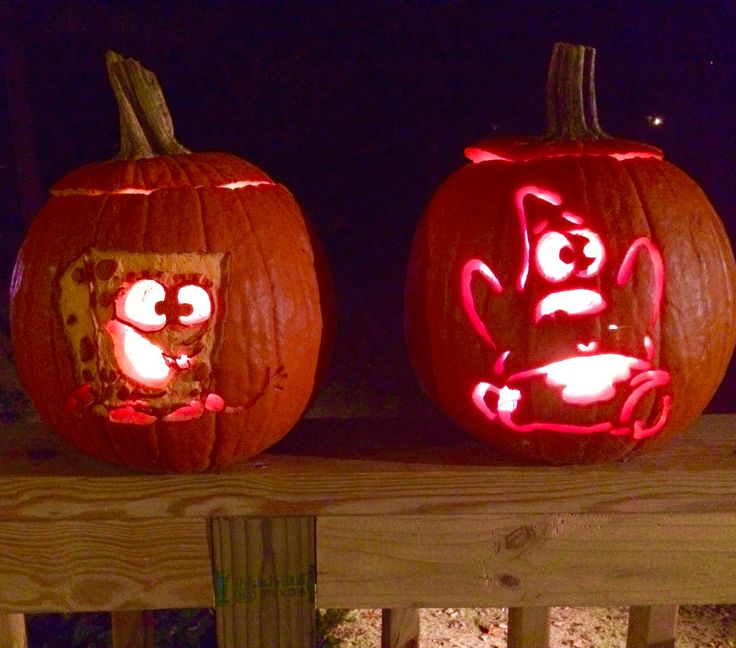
x=276 y=340
x=184 y=167
x=145 y=225
x=104 y=426
x=716 y=238
x=211 y=422
x=660 y=329
x=590 y=442
x=96 y=226
x=205 y=237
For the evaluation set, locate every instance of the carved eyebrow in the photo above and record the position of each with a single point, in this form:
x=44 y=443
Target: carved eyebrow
x=573 y=218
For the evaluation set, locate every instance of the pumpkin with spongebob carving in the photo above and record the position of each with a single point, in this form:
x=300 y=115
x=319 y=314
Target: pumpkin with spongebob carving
x=167 y=313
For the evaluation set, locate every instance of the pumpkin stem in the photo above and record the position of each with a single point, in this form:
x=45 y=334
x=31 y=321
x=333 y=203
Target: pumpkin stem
x=572 y=112
x=146 y=128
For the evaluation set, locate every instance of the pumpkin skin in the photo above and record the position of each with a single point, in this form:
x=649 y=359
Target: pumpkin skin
x=486 y=354
x=264 y=346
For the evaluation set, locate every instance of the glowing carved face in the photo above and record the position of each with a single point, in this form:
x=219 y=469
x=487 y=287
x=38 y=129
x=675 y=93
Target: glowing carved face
x=142 y=329
x=561 y=254
x=156 y=331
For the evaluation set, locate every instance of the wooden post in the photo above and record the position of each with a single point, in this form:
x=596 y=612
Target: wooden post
x=132 y=630
x=13 y=631
x=264 y=577
x=400 y=628
x=528 y=627
x=652 y=626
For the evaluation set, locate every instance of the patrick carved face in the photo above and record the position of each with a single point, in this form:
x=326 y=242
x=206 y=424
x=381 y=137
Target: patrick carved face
x=566 y=255
x=561 y=259
x=143 y=332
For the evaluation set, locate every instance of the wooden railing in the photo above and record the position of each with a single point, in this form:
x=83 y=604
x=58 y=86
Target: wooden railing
x=378 y=514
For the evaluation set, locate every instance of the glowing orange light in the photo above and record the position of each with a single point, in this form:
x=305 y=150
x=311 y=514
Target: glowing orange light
x=587 y=348
x=185 y=413
x=576 y=301
x=214 y=403
x=145 y=308
x=137 y=305
x=130 y=416
x=200 y=302
x=137 y=357
x=476 y=155
x=558 y=255
x=508 y=399
x=520 y=197
x=592 y=374
x=573 y=218
x=144 y=192
x=469 y=269
x=123 y=191
x=588 y=379
x=624 y=273
x=549 y=259
x=240 y=184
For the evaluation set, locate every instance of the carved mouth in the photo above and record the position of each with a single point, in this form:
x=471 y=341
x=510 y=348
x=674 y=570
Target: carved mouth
x=587 y=379
x=144 y=361
x=576 y=301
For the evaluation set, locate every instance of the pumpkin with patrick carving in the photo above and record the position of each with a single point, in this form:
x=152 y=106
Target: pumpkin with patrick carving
x=167 y=312
x=571 y=298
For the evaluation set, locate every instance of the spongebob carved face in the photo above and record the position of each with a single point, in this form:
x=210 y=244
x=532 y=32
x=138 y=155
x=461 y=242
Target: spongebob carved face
x=143 y=332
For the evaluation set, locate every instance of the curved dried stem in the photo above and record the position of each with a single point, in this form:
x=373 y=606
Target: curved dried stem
x=572 y=111
x=146 y=128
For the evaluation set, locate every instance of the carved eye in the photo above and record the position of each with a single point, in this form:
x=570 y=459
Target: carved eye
x=555 y=256
x=137 y=305
x=578 y=252
x=593 y=254
x=196 y=305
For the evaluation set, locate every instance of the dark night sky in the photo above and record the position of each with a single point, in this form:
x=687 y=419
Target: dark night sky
x=362 y=108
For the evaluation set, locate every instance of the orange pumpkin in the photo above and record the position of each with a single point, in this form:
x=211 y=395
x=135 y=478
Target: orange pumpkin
x=571 y=298
x=166 y=310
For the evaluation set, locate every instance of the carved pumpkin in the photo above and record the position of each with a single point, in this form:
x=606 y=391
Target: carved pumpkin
x=166 y=310
x=570 y=298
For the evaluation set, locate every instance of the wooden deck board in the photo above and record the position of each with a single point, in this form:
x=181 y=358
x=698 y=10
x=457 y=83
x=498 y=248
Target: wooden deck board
x=346 y=474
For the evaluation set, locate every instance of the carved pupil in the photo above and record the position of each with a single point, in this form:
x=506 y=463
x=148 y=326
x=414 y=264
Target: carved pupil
x=575 y=253
x=172 y=308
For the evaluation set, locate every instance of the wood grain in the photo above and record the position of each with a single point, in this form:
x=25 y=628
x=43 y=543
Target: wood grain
x=69 y=566
x=652 y=626
x=370 y=468
x=526 y=560
x=407 y=516
x=13 y=631
x=264 y=582
x=400 y=628
x=528 y=627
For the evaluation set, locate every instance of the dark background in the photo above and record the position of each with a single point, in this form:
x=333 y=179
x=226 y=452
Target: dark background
x=361 y=109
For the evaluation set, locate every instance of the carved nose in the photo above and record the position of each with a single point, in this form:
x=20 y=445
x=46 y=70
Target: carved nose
x=172 y=308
